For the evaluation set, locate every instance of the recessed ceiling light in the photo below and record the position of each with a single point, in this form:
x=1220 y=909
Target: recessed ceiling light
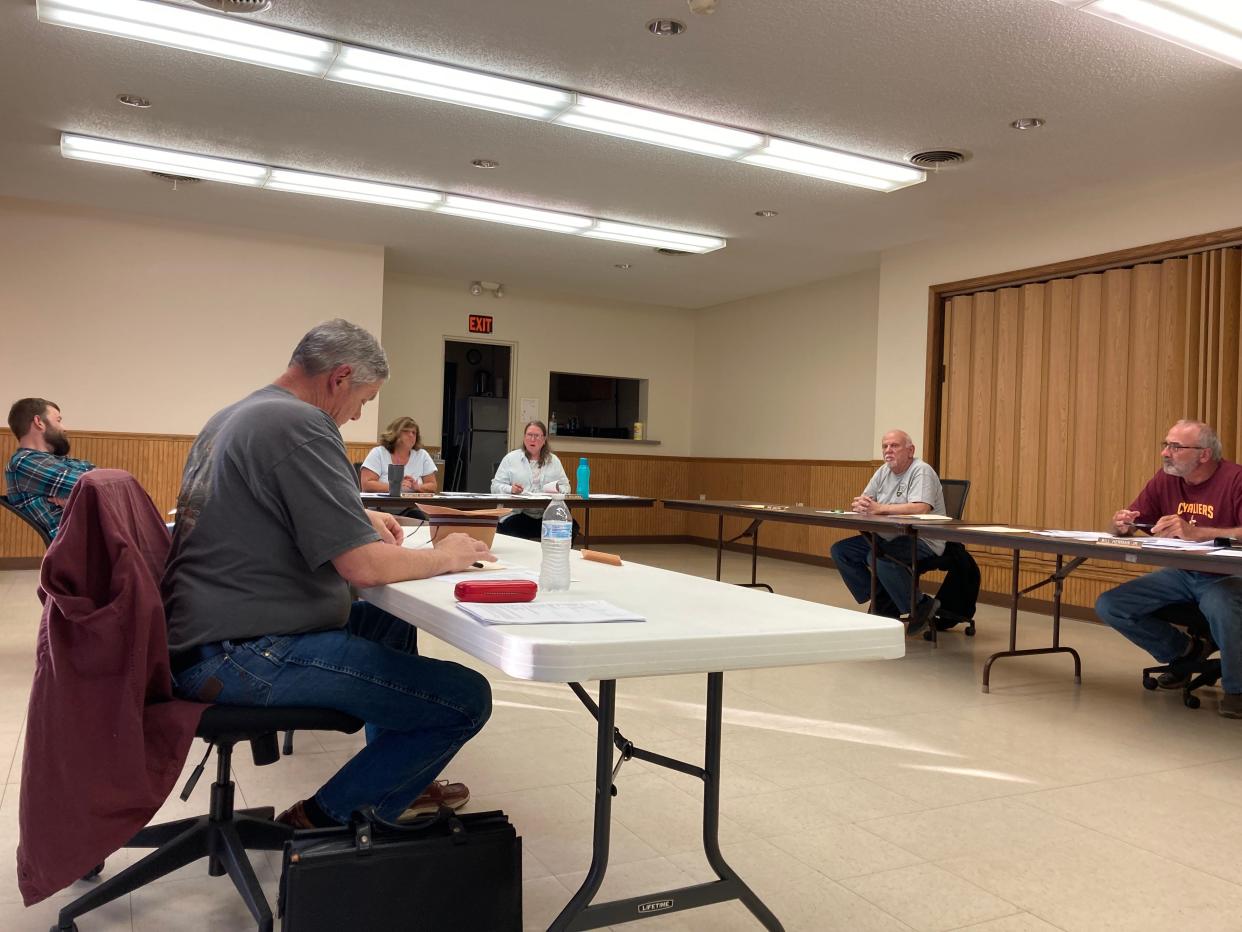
x=210 y=168
x=181 y=27
x=766 y=213
x=666 y=28
x=133 y=100
x=623 y=266
x=485 y=163
x=1027 y=123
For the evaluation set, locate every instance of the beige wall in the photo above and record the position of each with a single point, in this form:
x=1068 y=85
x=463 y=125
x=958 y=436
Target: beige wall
x=789 y=375
x=151 y=326
x=1167 y=211
x=547 y=332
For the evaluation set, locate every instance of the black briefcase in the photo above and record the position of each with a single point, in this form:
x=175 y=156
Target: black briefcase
x=442 y=872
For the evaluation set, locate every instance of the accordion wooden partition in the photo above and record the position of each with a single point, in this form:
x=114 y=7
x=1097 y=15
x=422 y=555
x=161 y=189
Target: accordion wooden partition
x=1056 y=394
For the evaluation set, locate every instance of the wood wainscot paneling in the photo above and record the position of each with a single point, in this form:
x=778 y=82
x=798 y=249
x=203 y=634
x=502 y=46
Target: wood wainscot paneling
x=155 y=460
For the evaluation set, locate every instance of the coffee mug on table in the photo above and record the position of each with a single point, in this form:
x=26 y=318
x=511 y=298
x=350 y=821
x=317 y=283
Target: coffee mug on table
x=395 y=475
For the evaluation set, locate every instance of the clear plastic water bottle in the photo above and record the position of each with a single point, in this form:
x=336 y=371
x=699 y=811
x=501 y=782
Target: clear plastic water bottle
x=584 y=477
x=556 y=538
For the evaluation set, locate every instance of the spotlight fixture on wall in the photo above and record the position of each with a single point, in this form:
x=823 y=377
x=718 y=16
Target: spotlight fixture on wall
x=496 y=288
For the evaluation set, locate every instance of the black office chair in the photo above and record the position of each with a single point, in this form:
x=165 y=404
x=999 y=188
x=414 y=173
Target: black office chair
x=223 y=834
x=38 y=528
x=1202 y=672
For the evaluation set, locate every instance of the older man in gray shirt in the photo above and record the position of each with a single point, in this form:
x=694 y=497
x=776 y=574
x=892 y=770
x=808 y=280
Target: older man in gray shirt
x=904 y=485
x=270 y=535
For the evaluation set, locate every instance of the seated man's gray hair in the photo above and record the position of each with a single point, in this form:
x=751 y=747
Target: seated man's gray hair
x=340 y=343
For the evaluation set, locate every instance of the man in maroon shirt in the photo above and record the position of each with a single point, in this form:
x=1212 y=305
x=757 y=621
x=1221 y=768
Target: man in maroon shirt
x=1197 y=495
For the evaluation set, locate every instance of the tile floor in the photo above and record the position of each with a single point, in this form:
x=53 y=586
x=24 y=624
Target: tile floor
x=860 y=797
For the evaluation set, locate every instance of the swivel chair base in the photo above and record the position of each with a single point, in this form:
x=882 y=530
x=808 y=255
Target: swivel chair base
x=222 y=837
x=224 y=834
x=1205 y=672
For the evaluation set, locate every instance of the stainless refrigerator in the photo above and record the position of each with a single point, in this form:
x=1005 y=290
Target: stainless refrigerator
x=487 y=440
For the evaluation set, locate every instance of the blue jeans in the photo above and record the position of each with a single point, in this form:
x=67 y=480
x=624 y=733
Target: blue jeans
x=853 y=559
x=1129 y=607
x=418 y=711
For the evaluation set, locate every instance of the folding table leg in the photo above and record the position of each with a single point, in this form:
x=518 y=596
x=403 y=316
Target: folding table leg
x=578 y=912
x=1057 y=579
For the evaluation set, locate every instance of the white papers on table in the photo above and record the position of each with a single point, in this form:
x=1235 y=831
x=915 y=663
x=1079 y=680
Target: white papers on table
x=493 y=571
x=1152 y=543
x=1089 y=536
x=606 y=495
x=997 y=529
x=546 y=613
x=1175 y=543
x=926 y=517
x=374 y=494
x=1225 y=552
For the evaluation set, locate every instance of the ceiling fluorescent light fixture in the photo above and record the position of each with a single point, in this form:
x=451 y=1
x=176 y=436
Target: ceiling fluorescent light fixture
x=150 y=158
x=147 y=158
x=653 y=236
x=817 y=162
x=402 y=75
x=366 y=192
x=194 y=31
x=225 y=37
x=1210 y=27
x=660 y=129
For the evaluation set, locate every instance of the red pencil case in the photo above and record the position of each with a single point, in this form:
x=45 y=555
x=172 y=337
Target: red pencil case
x=495 y=590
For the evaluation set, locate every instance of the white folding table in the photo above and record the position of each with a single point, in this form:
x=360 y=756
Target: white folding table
x=693 y=625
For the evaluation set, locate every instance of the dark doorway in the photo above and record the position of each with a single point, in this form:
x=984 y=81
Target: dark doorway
x=475 y=425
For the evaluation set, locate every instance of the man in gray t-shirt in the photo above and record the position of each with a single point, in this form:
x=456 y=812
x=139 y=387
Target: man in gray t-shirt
x=904 y=485
x=270 y=535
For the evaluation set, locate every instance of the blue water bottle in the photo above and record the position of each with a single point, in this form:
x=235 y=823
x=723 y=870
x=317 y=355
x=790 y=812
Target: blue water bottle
x=584 y=478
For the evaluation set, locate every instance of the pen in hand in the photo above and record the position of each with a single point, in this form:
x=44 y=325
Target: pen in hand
x=1141 y=525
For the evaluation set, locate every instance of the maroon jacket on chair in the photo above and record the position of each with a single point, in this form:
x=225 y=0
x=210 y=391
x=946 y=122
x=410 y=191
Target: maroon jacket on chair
x=105 y=740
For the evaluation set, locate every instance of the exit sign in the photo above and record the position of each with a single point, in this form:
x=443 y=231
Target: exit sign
x=480 y=324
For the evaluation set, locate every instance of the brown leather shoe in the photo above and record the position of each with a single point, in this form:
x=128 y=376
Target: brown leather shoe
x=295 y=817
x=440 y=793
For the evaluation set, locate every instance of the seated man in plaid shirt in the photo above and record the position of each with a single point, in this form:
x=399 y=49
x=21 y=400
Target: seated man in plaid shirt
x=40 y=473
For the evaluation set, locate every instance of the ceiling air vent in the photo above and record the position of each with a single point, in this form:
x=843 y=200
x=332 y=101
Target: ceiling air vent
x=237 y=6
x=175 y=180
x=937 y=158
x=665 y=251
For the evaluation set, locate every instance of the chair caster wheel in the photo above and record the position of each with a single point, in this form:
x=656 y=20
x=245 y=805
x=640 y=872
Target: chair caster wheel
x=1192 y=702
x=72 y=927
x=93 y=872
x=927 y=635
x=970 y=630
x=1149 y=682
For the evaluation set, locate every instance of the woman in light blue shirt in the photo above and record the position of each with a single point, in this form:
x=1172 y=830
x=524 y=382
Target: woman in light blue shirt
x=532 y=470
x=400 y=445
